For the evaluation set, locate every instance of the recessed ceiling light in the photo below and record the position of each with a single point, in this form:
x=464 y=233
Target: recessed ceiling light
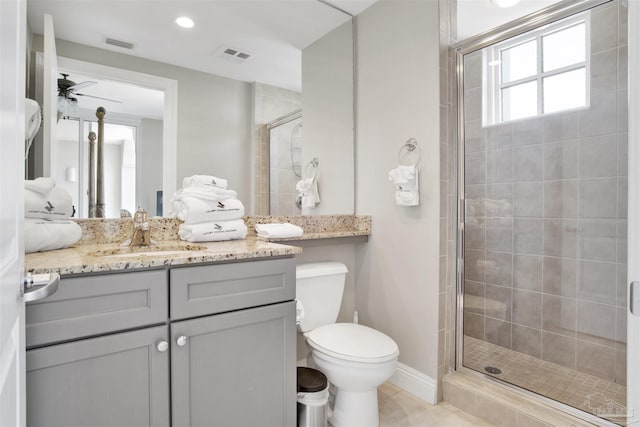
x=505 y=3
x=184 y=22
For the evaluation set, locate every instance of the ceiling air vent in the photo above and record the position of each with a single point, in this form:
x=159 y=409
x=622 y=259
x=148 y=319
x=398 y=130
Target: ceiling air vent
x=118 y=43
x=232 y=54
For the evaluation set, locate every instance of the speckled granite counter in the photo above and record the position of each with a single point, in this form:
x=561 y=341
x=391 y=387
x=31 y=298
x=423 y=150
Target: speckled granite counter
x=317 y=226
x=94 y=258
x=99 y=248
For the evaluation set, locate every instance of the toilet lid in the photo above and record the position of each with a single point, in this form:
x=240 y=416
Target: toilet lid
x=353 y=342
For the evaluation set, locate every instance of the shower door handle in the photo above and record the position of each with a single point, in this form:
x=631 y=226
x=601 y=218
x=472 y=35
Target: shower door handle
x=634 y=298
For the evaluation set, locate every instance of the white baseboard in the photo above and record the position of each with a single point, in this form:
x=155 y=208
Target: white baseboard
x=416 y=383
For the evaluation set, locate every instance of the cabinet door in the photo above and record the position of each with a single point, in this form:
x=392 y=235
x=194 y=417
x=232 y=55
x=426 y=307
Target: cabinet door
x=235 y=369
x=111 y=381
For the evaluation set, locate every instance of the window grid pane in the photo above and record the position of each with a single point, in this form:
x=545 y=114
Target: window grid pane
x=563 y=48
x=564 y=91
x=519 y=62
x=520 y=101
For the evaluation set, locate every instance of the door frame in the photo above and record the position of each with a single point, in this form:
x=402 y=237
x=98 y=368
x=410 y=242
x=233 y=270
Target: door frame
x=633 y=230
x=13 y=29
x=514 y=28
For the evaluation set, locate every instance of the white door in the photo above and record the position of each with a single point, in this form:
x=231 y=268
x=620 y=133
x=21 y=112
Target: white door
x=12 y=90
x=633 y=320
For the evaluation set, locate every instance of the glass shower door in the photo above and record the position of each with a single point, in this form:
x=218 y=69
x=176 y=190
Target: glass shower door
x=545 y=227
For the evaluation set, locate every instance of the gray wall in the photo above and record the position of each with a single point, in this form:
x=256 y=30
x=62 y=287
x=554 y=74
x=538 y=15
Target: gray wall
x=398 y=86
x=214 y=115
x=547 y=207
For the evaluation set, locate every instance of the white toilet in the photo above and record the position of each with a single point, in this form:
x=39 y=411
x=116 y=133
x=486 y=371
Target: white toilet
x=356 y=359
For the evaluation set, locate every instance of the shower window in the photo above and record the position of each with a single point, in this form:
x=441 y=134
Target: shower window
x=543 y=72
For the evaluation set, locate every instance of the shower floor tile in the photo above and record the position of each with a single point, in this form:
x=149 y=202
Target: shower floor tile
x=577 y=389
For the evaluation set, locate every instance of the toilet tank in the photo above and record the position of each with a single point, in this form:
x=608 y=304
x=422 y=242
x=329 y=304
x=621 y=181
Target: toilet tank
x=319 y=287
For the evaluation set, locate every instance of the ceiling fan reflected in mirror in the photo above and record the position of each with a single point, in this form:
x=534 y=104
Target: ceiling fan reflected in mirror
x=67 y=93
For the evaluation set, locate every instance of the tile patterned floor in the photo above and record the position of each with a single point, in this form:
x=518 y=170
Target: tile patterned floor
x=583 y=391
x=401 y=409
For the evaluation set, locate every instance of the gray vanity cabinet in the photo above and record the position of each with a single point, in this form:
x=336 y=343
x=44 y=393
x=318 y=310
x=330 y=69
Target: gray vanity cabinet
x=103 y=349
x=235 y=369
x=114 y=380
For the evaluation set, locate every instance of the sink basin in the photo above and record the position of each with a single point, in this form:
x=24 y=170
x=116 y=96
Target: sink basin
x=146 y=251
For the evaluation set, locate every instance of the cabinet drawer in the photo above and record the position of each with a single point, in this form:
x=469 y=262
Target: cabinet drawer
x=196 y=291
x=92 y=305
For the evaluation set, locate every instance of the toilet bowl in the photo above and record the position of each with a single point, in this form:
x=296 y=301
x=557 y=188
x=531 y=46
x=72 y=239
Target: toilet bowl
x=355 y=358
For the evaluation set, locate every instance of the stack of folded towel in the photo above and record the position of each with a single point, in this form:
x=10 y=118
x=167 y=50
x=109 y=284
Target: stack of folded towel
x=278 y=231
x=210 y=211
x=405 y=179
x=47 y=211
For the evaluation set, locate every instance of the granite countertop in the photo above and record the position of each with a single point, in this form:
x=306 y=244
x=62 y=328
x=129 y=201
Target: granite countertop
x=94 y=258
x=99 y=249
x=319 y=235
x=317 y=226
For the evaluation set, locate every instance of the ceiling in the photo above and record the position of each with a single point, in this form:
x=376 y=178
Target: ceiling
x=273 y=32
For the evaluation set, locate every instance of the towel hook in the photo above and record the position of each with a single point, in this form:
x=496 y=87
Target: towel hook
x=407 y=148
x=314 y=163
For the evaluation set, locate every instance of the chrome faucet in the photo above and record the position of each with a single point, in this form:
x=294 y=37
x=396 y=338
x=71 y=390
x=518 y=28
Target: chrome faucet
x=141 y=229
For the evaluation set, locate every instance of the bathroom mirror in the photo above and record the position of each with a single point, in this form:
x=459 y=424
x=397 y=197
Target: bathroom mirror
x=300 y=57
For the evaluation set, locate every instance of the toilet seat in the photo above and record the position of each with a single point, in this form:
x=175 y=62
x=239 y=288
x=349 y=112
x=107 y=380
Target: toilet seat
x=354 y=342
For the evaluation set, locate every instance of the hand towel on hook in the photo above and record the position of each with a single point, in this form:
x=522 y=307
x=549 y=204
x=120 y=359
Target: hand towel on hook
x=405 y=179
x=307 y=187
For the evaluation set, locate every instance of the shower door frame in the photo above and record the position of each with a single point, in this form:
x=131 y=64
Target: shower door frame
x=274 y=124
x=517 y=27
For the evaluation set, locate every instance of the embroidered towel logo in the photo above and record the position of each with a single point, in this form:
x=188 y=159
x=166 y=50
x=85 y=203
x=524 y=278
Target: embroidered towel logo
x=221 y=205
x=49 y=207
x=213 y=182
x=217 y=226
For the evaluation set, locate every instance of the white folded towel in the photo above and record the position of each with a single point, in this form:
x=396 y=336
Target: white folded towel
x=405 y=179
x=40 y=185
x=204 y=181
x=278 y=231
x=205 y=193
x=193 y=210
x=45 y=235
x=57 y=204
x=213 y=231
x=308 y=189
x=212 y=194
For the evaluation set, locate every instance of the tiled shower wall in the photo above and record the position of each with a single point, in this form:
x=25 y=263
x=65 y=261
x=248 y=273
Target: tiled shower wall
x=269 y=103
x=546 y=218
x=448 y=221
x=285 y=167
